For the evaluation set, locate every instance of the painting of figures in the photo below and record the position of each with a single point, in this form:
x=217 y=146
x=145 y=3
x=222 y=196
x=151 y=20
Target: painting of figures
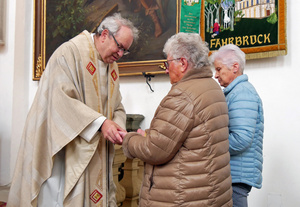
x=155 y=19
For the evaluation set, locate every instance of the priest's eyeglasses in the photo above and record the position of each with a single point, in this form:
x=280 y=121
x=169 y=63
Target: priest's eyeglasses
x=125 y=52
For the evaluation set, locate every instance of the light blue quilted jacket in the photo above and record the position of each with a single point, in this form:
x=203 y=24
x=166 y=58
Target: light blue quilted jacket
x=246 y=127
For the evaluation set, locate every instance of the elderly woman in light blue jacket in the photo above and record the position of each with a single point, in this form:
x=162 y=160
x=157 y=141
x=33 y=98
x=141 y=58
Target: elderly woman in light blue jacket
x=246 y=122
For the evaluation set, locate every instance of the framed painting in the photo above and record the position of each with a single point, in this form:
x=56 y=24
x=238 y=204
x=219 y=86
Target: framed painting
x=57 y=21
x=258 y=27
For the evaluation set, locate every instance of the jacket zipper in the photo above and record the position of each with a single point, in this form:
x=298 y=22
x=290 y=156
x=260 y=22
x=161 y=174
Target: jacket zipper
x=151 y=178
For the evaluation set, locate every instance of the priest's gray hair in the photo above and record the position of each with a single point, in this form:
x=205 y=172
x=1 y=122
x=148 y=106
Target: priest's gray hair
x=189 y=46
x=113 y=24
x=228 y=55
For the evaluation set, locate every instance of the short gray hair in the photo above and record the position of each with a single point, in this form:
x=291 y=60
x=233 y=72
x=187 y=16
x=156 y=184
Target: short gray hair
x=228 y=55
x=113 y=24
x=189 y=46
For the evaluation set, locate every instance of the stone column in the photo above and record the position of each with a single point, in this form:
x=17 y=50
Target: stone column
x=119 y=159
x=132 y=168
x=133 y=122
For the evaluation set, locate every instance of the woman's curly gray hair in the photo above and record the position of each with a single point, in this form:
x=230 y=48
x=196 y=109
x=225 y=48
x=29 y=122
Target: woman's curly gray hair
x=189 y=46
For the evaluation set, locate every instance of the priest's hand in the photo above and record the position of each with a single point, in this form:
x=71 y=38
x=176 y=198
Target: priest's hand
x=111 y=131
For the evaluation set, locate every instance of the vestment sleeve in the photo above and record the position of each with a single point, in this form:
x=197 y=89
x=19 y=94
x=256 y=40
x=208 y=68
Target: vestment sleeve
x=89 y=132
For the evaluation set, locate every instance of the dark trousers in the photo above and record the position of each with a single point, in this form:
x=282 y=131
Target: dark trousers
x=240 y=192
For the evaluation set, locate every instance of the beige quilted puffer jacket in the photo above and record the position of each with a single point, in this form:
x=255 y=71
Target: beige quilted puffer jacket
x=186 y=148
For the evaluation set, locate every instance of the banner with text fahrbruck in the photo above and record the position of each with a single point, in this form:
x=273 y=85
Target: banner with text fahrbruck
x=256 y=26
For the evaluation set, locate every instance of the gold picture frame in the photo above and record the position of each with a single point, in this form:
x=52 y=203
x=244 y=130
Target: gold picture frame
x=2 y=21
x=150 y=64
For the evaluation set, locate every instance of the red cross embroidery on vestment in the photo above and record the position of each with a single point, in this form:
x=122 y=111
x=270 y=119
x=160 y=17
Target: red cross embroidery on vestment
x=91 y=68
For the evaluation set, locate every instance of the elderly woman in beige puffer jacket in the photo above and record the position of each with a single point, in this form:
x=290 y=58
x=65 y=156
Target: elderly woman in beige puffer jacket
x=186 y=148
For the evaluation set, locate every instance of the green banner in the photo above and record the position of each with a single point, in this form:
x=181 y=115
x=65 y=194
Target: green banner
x=190 y=16
x=247 y=24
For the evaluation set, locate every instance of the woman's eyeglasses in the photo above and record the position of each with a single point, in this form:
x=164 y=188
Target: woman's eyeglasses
x=166 y=64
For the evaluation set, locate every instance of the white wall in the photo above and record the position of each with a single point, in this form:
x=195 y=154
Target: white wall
x=6 y=93
x=17 y=89
x=23 y=86
x=274 y=78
